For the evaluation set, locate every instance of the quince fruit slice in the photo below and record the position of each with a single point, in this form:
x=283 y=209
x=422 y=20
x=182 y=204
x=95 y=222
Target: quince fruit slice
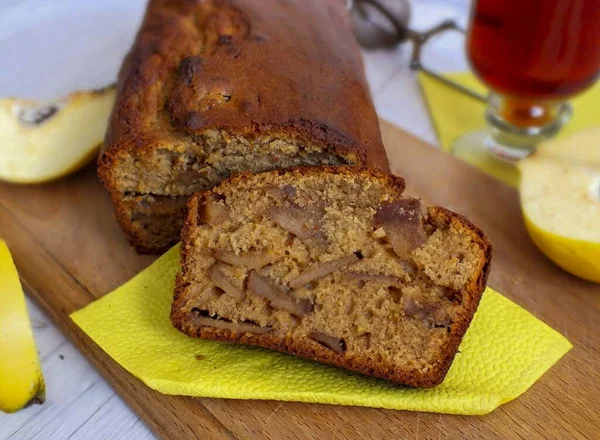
x=43 y=141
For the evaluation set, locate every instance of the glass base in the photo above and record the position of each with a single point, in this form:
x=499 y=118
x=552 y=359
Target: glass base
x=503 y=152
x=517 y=125
x=479 y=149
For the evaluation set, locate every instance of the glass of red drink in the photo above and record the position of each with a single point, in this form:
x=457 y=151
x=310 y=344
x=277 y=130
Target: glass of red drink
x=534 y=55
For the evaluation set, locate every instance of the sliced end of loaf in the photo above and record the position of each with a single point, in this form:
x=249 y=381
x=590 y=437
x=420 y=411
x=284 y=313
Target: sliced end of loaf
x=331 y=264
x=149 y=186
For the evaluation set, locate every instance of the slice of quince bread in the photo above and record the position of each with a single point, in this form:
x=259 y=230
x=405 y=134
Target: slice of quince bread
x=331 y=264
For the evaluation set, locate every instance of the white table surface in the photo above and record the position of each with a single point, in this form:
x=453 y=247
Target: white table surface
x=50 y=48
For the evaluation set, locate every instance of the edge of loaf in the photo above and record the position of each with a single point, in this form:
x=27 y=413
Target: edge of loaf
x=471 y=292
x=213 y=88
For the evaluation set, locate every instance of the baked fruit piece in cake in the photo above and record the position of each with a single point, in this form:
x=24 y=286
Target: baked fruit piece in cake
x=334 y=265
x=215 y=87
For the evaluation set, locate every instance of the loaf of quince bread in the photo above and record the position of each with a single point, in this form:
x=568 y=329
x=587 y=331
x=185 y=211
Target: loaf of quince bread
x=331 y=264
x=215 y=87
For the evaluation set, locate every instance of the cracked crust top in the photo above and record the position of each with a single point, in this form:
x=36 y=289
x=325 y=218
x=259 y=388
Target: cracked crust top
x=249 y=68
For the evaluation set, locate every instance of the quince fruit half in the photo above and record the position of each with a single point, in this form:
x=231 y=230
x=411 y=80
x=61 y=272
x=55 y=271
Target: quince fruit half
x=560 y=198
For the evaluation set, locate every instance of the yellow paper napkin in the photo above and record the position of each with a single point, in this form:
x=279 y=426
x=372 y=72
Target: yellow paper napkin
x=504 y=352
x=456 y=114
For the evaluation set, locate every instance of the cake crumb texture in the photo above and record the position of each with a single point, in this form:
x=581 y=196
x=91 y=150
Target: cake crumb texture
x=332 y=264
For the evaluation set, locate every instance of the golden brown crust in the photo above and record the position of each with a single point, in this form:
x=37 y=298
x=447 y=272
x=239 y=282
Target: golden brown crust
x=237 y=64
x=289 y=68
x=390 y=180
x=309 y=349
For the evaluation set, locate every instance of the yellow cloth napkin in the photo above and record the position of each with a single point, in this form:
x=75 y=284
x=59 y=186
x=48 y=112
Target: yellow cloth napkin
x=504 y=352
x=456 y=114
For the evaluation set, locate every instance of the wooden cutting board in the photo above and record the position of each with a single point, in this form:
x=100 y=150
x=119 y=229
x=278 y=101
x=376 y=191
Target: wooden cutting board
x=69 y=252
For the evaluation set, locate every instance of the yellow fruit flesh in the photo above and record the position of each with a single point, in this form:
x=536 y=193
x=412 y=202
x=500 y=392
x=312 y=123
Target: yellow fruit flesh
x=57 y=146
x=560 y=198
x=21 y=380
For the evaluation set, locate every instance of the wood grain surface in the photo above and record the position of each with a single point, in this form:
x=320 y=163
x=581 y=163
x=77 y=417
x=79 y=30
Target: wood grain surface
x=69 y=251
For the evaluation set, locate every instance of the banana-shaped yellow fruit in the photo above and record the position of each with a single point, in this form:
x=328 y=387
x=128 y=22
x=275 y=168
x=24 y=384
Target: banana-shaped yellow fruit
x=21 y=380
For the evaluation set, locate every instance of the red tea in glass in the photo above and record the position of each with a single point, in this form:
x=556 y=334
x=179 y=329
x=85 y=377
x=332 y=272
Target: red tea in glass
x=537 y=50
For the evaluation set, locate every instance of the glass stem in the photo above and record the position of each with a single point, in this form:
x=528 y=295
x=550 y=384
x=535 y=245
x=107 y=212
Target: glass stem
x=517 y=124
